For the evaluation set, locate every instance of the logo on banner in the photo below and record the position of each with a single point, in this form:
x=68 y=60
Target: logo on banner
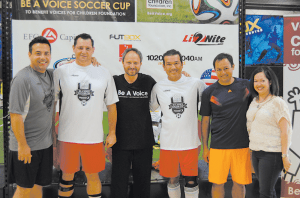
x=63 y=61
x=177 y=105
x=122 y=48
x=160 y=4
x=50 y=34
x=201 y=39
x=125 y=37
x=252 y=27
x=292 y=52
x=293 y=67
x=291 y=177
x=209 y=77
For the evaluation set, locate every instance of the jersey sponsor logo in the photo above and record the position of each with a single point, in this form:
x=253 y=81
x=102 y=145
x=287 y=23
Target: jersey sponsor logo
x=215 y=100
x=133 y=94
x=166 y=90
x=48 y=99
x=50 y=34
x=247 y=92
x=177 y=105
x=84 y=92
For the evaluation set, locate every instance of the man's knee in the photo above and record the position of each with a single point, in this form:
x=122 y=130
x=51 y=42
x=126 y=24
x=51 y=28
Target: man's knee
x=174 y=180
x=191 y=181
x=92 y=177
x=67 y=183
x=238 y=185
x=218 y=186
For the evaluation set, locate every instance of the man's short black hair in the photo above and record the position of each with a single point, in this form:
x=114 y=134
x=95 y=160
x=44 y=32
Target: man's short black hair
x=270 y=75
x=83 y=36
x=222 y=56
x=132 y=50
x=39 y=39
x=171 y=52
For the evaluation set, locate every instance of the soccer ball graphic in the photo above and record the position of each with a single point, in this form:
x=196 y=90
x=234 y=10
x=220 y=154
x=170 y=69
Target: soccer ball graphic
x=215 y=11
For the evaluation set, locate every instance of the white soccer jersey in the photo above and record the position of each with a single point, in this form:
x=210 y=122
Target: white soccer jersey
x=179 y=105
x=83 y=89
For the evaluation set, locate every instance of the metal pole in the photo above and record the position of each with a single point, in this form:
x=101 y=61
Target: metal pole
x=6 y=75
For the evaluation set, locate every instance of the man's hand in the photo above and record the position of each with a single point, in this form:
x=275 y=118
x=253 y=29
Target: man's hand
x=108 y=154
x=55 y=138
x=24 y=153
x=110 y=140
x=186 y=74
x=56 y=162
x=95 y=62
x=206 y=155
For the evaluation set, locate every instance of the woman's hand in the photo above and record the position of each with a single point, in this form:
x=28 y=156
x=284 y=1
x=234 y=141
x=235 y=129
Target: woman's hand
x=286 y=163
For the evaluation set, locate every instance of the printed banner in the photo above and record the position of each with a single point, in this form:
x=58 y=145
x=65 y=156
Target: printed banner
x=78 y=10
x=264 y=40
x=290 y=186
x=188 y=11
x=198 y=44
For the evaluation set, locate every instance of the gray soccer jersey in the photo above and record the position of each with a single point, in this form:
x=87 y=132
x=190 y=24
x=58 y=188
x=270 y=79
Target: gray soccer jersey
x=32 y=96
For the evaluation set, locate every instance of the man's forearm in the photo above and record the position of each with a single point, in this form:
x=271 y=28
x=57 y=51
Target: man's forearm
x=205 y=130
x=17 y=125
x=54 y=135
x=112 y=118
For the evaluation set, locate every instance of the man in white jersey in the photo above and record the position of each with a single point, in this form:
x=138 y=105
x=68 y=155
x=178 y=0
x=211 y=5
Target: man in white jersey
x=178 y=98
x=82 y=89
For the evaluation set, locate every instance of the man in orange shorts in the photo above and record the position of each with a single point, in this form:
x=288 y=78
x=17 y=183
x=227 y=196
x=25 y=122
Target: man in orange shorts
x=227 y=101
x=82 y=89
x=178 y=97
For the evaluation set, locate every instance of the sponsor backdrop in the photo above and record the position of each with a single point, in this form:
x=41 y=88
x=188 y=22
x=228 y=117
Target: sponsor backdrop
x=70 y=10
x=264 y=40
x=291 y=93
x=188 y=11
x=199 y=44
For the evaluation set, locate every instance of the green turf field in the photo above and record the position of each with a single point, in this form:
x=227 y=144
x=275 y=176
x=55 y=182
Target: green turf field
x=181 y=13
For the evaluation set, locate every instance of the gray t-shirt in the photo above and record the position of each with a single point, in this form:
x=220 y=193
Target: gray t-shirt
x=32 y=96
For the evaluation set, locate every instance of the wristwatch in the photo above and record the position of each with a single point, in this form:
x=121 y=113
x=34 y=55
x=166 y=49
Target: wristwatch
x=284 y=155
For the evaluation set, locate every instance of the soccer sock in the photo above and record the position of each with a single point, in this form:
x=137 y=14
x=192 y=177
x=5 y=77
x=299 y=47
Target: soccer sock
x=191 y=192
x=174 y=190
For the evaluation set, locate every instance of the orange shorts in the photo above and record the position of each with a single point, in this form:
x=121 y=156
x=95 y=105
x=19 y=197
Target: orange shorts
x=235 y=160
x=92 y=157
x=170 y=161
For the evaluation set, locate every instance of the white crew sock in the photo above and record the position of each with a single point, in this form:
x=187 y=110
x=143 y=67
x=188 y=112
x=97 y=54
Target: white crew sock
x=174 y=190
x=191 y=192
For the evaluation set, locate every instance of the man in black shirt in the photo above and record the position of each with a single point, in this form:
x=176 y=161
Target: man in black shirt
x=226 y=101
x=134 y=129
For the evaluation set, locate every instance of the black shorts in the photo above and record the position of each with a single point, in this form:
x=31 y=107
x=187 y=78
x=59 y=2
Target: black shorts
x=39 y=171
